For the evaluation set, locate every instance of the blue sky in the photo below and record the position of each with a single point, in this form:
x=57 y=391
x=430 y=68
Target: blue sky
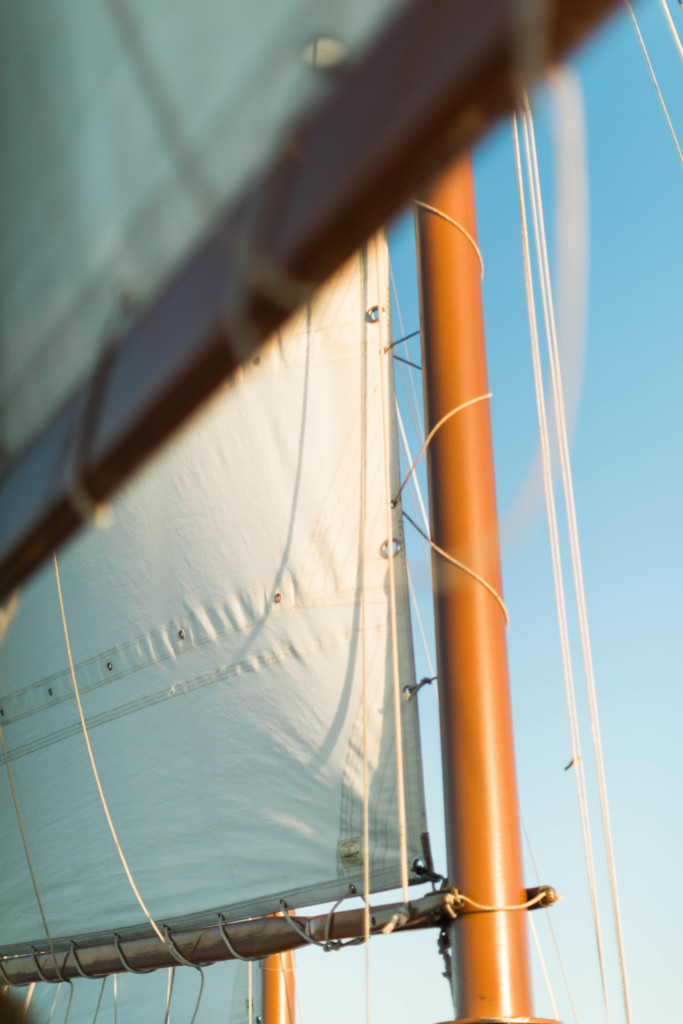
x=629 y=494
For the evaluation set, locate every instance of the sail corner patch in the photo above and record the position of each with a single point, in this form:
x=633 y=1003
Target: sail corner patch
x=350 y=852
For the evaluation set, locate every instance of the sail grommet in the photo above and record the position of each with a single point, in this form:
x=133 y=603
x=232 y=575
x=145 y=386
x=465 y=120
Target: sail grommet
x=395 y=548
x=373 y=314
x=181 y=634
x=110 y=666
x=278 y=598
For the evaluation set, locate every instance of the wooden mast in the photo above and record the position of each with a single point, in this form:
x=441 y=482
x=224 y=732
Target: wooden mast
x=491 y=977
x=278 y=989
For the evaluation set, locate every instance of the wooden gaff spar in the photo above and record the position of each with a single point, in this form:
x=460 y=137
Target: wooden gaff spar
x=341 y=175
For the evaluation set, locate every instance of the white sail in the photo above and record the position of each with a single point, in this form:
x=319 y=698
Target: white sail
x=125 y=128
x=219 y=627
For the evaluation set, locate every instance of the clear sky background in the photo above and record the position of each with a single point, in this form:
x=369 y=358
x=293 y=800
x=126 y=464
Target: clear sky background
x=626 y=454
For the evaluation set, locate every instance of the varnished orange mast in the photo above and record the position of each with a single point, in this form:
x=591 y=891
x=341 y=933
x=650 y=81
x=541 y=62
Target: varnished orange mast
x=278 y=989
x=491 y=977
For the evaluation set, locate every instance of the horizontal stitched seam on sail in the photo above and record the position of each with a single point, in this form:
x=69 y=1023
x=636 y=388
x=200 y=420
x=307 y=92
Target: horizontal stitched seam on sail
x=157 y=646
x=242 y=667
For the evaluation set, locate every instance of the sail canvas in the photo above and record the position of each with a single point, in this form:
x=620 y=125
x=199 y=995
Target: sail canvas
x=126 y=128
x=232 y=637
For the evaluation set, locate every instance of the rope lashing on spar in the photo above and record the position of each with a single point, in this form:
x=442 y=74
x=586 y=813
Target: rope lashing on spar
x=457 y=903
x=327 y=944
x=432 y=433
x=58 y=971
x=79 y=967
x=175 y=952
x=457 y=225
x=124 y=962
x=461 y=565
x=224 y=935
x=435 y=547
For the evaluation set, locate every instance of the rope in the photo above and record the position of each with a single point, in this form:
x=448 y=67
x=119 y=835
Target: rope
x=464 y=231
x=328 y=944
x=461 y=565
x=413 y=404
x=672 y=28
x=105 y=806
x=297 y=993
x=417 y=499
x=28 y=857
x=483 y=908
x=654 y=78
x=398 y=727
x=169 y=993
x=54 y=1002
x=364 y=657
x=557 y=569
x=577 y=569
x=124 y=962
x=171 y=946
x=544 y=969
x=58 y=971
x=7 y=613
x=549 y=920
x=223 y=934
x=250 y=994
x=77 y=962
x=116 y=998
x=99 y=1001
x=434 y=430
x=29 y=995
x=417 y=492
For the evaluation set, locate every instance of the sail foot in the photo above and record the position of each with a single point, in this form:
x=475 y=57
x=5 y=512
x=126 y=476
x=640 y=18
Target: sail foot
x=253 y=939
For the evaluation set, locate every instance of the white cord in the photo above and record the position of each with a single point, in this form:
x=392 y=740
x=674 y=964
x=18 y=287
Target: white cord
x=364 y=354
x=400 y=780
x=544 y=969
x=456 y=224
x=549 y=920
x=437 y=426
x=577 y=569
x=557 y=568
x=105 y=806
x=28 y=857
x=672 y=28
x=654 y=79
